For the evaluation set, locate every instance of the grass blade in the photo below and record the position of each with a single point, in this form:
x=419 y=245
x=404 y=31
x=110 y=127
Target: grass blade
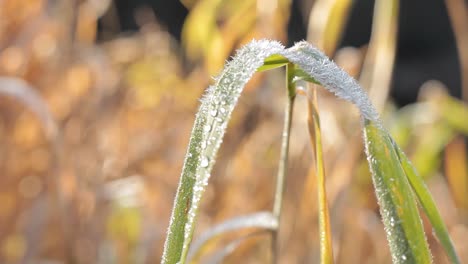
x=398 y=208
x=22 y=91
x=283 y=162
x=208 y=131
x=273 y=62
x=326 y=249
x=428 y=204
x=263 y=220
x=456 y=171
x=397 y=204
x=380 y=57
x=219 y=256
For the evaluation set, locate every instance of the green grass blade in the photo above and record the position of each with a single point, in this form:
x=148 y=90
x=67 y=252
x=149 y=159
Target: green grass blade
x=455 y=112
x=273 y=62
x=398 y=207
x=429 y=206
x=301 y=75
x=208 y=131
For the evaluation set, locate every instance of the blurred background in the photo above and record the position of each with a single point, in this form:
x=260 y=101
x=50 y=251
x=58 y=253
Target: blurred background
x=97 y=101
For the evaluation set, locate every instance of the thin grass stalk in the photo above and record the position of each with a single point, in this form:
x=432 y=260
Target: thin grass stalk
x=458 y=14
x=326 y=249
x=283 y=163
x=28 y=95
x=378 y=65
x=326 y=23
x=456 y=171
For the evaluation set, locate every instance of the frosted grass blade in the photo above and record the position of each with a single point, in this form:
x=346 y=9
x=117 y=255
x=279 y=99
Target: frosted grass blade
x=397 y=204
x=428 y=204
x=208 y=131
x=398 y=207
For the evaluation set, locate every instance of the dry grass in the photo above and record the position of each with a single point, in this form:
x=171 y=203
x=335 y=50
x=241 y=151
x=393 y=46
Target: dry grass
x=102 y=190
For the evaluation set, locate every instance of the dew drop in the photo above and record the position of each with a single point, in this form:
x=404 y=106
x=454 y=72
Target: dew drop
x=207 y=128
x=204 y=162
x=203 y=145
x=222 y=110
x=214 y=112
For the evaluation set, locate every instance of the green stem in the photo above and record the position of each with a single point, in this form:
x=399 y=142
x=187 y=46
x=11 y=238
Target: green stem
x=282 y=166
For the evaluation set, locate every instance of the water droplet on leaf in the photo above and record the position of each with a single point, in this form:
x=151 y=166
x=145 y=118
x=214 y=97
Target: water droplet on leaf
x=204 y=162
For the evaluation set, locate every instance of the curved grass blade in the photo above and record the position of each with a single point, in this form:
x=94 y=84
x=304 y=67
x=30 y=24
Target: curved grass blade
x=263 y=220
x=320 y=68
x=210 y=125
x=398 y=208
x=428 y=204
x=219 y=256
x=22 y=91
x=404 y=228
x=28 y=95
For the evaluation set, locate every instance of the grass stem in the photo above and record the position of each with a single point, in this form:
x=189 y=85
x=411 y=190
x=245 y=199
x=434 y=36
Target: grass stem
x=326 y=251
x=282 y=167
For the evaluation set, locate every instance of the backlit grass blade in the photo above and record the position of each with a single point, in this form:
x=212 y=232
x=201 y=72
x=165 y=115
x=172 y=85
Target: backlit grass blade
x=22 y=91
x=397 y=204
x=428 y=204
x=456 y=171
x=263 y=220
x=398 y=207
x=455 y=112
x=219 y=256
x=326 y=250
x=208 y=131
x=272 y=62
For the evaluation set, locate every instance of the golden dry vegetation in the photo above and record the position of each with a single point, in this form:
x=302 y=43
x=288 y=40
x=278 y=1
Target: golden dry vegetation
x=93 y=137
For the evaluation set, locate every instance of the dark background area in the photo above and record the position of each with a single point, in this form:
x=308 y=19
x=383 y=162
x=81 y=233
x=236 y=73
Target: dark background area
x=425 y=50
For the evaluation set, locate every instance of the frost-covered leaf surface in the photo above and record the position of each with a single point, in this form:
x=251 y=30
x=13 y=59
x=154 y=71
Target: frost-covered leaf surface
x=403 y=225
x=207 y=134
x=429 y=206
x=397 y=204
